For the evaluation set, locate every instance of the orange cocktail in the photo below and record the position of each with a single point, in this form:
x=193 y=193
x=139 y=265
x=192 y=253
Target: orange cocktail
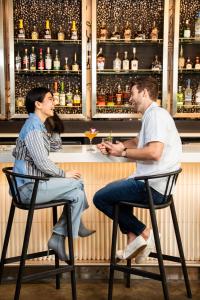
x=90 y=134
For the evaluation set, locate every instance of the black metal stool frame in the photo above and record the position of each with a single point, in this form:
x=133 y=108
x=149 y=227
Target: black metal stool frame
x=16 y=202
x=128 y=270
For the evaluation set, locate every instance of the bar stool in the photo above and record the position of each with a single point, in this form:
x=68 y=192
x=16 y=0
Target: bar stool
x=128 y=269
x=16 y=202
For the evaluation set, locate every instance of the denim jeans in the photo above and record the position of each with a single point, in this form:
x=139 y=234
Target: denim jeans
x=127 y=190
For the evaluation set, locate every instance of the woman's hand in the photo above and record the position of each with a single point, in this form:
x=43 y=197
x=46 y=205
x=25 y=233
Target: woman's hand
x=73 y=174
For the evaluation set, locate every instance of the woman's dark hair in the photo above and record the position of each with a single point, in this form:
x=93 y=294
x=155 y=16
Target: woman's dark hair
x=35 y=94
x=148 y=83
x=54 y=124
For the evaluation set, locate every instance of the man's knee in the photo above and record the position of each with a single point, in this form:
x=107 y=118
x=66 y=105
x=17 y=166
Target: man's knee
x=98 y=198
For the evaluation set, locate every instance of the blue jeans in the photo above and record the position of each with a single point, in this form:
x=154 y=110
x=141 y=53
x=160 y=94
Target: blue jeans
x=127 y=190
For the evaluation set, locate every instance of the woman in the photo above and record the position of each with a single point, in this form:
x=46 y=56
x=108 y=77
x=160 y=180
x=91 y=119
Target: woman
x=31 y=158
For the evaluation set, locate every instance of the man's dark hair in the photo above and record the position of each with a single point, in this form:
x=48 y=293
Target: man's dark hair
x=148 y=83
x=35 y=94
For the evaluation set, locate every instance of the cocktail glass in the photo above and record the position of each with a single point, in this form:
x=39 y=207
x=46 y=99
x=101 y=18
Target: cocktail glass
x=91 y=134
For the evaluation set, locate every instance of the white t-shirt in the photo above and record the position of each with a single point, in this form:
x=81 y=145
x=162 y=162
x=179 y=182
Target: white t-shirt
x=158 y=126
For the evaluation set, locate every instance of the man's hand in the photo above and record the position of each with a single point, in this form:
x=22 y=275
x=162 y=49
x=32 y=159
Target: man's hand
x=73 y=174
x=114 y=149
x=102 y=148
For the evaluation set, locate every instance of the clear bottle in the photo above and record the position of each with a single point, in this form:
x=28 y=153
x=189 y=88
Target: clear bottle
x=154 y=32
x=181 y=60
x=41 y=61
x=18 y=62
x=100 y=60
x=188 y=64
x=25 y=62
x=156 y=64
x=188 y=93
x=62 y=94
x=180 y=96
x=61 y=34
x=77 y=98
x=125 y=63
x=140 y=35
x=48 y=59
x=69 y=97
x=75 y=66
x=187 y=30
x=197 y=26
x=119 y=95
x=56 y=95
x=21 y=30
x=134 y=61
x=197 y=63
x=103 y=31
x=74 y=31
x=33 y=59
x=56 y=61
x=115 y=34
x=66 y=66
x=47 y=33
x=117 y=63
x=34 y=33
x=197 y=95
x=127 y=32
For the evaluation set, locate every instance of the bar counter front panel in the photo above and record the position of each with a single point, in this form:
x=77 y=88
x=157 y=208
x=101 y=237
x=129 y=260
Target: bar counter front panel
x=97 y=170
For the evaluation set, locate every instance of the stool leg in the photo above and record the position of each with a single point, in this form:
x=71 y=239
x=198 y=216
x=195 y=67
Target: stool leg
x=55 y=218
x=24 y=252
x=6 y=239
x=113 y=251
x=71 y=251
x=128 y=275
x=180 y=248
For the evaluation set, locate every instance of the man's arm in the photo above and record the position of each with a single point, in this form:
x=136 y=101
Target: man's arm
x=132 y=143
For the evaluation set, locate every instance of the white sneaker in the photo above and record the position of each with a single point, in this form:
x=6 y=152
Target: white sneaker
x=132 y=249
x=141 y=257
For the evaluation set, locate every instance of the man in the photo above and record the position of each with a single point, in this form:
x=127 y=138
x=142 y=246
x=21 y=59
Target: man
x=157 y=149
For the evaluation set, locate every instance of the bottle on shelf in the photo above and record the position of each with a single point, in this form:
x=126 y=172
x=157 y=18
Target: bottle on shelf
x=48 y=59
x=197 y=95
x=56 y=95
x=156 y=64
x=18 y=62
x=188 y=93
x=181 y=60
x=33 y=59
x=74 y=31
x=20 y=100
x=134 y=61
x=197 y=27
x=77 y=98
x=66 y=66
x=69 y=97
x=75 y=66
x=197 y=63
x=140 y=35
x=126 y=95
x=103 y=31
x=56 y=61
x=180 y=96
x=119 y=95
x=125 y=63
x=34 y=33
x=115 y=34
x=110 y=99
x=47 y=33
x=25 y=61
x=117 y=63
x=62 y=94
x=21 y=30
x=127 y=32
x=154 y=32
x=41 y=61
x=187 y=30
x=100 y=60
x=61 y=34
x=188 y=64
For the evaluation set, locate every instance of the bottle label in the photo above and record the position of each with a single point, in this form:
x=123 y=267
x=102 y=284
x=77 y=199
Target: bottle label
x=61 y=36
x=48 y=63
x=69 y=99
x=197 y=66
x=56 y=98
x=189 y=66
x=20 y=101
x=47 y=34
x=100 y=65
x=62 y=99
x=75 y=67
x=56 y=65
x=125 y=65
x=117 y=65
x=74 y=35
x=134 y=65
x=18 y=63
x=34 y=35
x=41 y=65
x=187 y=33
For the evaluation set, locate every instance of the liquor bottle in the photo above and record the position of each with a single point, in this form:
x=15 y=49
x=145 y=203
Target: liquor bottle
x=62 y=94
x=117 y=63
x=66 y=66
x=75 y=66
x=119 y=95
x=61 y=34
x=34 y=33
x=48 y=59
x=154 y=32
x=197 y=26
x=103 y=31
x=56 y=95
x=188 y=64
x=74 y=31
x=181 y=60
x=25 y=61
x=21 y=30
x=115 y=34
x=20 y=100
x=197 y=95
x=77 y=98
x=126 y=95
x=47 y=33
x=125 y=63
x=187 y=30
x=56 y=62
x=41 y=61
x=134 y=61
x=18 y=62
x=69 y=96
x=110 y=99
x=180 y=96
x=33 y=60
x=140 y=35
x=127 y=32
x=197 y=63
x=100 y=60
x=188 y=94
x=156 y=64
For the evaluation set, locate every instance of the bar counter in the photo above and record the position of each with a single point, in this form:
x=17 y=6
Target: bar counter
x=97 y=170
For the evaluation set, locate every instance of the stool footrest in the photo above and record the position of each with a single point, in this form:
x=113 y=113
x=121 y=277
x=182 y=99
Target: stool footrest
x=28 y=256
x=167 y=257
